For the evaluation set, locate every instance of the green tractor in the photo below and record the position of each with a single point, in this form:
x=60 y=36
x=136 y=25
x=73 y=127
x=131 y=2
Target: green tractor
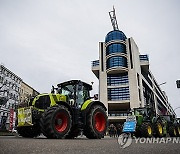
x=64 y=114
x=146 y=123
x=173 y=125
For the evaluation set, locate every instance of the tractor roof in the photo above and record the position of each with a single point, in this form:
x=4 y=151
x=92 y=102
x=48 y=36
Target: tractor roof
x=72 y=82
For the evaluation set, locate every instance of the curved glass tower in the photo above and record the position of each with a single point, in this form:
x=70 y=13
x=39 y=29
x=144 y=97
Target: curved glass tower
x=116 y=66
x=125 y=81
x=116 y=52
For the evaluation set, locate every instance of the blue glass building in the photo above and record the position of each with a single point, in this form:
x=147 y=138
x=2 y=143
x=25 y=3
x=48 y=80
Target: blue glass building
x=125 y=81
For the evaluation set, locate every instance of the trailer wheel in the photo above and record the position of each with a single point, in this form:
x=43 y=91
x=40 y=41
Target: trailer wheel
x=56 y=122
x=96 y=124
x=146 y=129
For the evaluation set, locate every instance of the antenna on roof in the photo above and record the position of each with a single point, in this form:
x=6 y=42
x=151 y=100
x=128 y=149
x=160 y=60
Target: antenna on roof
x=113 y=19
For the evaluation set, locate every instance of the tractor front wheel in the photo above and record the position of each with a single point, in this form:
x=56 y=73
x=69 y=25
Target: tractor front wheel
x=146 y=129
x=56 y=122
x=96 y=124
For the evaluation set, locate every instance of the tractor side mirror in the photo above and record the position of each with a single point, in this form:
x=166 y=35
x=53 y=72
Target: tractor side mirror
x=96 y=96
x=52 y=90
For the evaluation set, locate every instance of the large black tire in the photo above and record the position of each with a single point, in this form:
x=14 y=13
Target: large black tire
x=56 y=122
x=146 y=129
x=178 y=130
x=158 y=129
x=137 y=133
x=96 y=123
x=172 y=131
x=29 y=131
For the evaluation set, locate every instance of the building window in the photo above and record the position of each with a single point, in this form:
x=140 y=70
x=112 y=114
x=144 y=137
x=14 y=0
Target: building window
x=116 y=61
x=115 y=35
x=139 y=91
x=115 y=94
x=117 y=79
x=115 y=48
x=1 y=79
x=138 y=80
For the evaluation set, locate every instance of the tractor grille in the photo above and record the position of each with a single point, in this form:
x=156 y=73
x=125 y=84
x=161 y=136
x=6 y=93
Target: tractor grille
x=43 y=102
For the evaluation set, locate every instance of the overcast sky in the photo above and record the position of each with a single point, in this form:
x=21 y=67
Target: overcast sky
x=46 y=42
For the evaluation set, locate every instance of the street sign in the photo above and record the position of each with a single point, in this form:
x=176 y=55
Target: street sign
x=11 y=118
x=25 y=116
x=129 y=126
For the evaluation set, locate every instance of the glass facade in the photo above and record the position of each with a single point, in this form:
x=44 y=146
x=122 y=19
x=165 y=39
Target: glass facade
x=115 y=48
x=117 y=79
x=115 y=35
x=116 y=61
x=115 y=94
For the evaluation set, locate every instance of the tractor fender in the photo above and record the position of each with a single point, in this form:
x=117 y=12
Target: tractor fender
x=155 y=119
x=66 y=105
x=89 y=103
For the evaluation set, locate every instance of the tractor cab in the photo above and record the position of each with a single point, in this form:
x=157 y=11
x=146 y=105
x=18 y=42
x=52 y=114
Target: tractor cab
x=76 y=92
x=144 y=113
x=170 y=119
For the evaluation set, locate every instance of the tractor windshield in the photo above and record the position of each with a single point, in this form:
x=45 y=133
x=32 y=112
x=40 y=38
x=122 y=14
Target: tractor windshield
x=140 y=112
x=76 y=91
x=82 y=95
x=68 y=91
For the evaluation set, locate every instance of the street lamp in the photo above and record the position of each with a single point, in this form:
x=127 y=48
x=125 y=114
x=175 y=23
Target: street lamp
x=176 y=108
x=162 y=83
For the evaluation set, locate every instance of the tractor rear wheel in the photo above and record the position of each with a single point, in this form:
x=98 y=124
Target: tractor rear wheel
x=158 y=129
x=172 y=131
x=146 y=129
x=56 y=122
x=96 y=124
x=29 y=131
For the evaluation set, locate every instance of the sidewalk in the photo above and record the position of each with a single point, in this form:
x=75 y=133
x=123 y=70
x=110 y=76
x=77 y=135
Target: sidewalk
x=7 y=134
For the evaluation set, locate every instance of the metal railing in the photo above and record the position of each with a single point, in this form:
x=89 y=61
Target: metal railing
x=95 y=63
x=118 y=113
x=143 y=57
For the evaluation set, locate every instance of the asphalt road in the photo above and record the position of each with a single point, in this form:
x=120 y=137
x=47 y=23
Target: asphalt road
x=19 y=145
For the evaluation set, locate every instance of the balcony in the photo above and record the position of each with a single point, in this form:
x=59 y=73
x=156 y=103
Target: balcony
x=95 y=67
x=116 y=70
x=117 y=116
x=144 y=62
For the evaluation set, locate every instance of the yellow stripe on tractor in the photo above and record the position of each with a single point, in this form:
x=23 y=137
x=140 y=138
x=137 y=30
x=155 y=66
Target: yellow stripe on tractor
x=85 y=105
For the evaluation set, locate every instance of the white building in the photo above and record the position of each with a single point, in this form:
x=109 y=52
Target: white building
x=125 y=81
x=9 y=94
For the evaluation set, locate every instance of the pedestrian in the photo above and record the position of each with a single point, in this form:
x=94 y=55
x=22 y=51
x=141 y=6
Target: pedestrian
x=114 y=131
x=119 y=130
x=111 y=128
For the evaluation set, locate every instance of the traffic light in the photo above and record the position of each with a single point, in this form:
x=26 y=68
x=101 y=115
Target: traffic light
x=178 y=83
